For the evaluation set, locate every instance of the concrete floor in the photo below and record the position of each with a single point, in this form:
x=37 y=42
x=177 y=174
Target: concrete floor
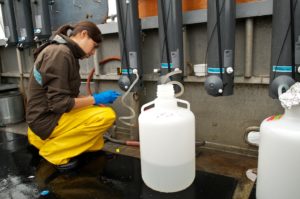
x=209 y=161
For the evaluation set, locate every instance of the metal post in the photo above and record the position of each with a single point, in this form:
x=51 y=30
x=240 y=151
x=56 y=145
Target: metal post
x=248 y=47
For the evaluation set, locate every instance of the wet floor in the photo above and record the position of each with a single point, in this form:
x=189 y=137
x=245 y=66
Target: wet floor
x=25 y=175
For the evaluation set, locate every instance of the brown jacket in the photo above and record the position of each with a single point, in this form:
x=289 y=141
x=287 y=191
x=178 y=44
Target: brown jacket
x=53 y=85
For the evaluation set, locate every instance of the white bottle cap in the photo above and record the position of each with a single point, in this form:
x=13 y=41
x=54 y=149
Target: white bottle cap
x=165 y=91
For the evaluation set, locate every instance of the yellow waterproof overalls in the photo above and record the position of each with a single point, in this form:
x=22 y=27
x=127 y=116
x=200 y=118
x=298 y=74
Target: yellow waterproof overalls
x=77 y=131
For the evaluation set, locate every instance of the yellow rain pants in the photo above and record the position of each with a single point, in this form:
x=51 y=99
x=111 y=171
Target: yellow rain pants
x=77 y=131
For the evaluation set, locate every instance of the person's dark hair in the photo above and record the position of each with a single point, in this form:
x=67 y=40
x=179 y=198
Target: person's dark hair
x=92 y=29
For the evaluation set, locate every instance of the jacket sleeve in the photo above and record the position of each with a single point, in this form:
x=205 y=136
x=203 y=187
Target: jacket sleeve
x=55 y=70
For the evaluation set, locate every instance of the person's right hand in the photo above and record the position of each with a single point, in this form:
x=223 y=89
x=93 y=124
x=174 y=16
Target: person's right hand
x=106 y=97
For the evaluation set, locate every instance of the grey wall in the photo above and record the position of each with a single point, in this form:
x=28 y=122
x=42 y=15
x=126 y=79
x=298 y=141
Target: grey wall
x=221 y=120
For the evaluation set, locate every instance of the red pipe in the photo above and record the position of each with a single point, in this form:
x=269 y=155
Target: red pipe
x=91 y=74
x=133 y=143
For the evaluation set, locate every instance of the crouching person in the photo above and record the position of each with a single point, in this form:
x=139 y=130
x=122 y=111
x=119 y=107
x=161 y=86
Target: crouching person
x=62 y=124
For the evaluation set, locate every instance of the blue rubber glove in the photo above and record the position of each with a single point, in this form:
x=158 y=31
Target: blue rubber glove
x=106 y=97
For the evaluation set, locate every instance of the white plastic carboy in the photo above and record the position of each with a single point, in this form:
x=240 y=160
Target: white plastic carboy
x=167 y=142
x=279 y=159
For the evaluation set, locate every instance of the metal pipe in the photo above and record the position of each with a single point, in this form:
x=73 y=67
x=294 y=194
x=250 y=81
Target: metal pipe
x=135 y=105
x=185 y=52
x=91 y=74
x=248 y=47
x=96 y=62
x=249 y=130
x=20 y=67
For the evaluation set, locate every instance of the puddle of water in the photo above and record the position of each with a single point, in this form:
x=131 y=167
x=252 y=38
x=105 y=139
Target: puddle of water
x=23 y=174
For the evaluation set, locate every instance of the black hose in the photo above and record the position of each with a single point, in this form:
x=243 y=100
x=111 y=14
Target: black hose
x=165 y=34
x=219 y=38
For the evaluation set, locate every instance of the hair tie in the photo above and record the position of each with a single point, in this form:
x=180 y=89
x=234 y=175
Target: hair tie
x=69 y=32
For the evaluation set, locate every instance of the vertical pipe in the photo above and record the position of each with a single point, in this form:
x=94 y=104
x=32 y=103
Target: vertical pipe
x=24 y=23
x=297 y=40
x=41 y=19
x=21 y=72
x=170 y=35
x=221 y=47
x=96 y=62
x=229 y=46
x=248 y=47
x=282 y=65
x=135 y=105
x=129 y=37
x=185 y=52
x=9 y=22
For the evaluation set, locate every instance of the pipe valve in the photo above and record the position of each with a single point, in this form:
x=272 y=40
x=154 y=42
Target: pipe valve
x=156 y=70
x=280 y=84
x=229 y=70
x=298 y=69
x=214 y=85
x=135 y=71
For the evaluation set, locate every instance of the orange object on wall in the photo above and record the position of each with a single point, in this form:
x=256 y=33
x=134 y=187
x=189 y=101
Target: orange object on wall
x=244 y=1
x=188 y=5
x=149 y=8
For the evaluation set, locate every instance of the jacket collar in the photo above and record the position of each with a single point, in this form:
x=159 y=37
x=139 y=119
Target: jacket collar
x=76 y=50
